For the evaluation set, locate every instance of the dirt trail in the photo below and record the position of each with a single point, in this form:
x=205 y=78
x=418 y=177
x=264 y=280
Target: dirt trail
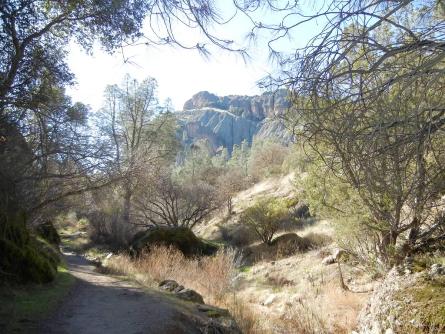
x=104 y=304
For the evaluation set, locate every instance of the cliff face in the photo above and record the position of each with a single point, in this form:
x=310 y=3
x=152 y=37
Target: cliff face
x=228 y=120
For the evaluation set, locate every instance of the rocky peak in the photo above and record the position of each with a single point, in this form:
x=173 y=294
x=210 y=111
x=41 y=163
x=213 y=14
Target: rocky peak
x=227 y=121
x=255 y=107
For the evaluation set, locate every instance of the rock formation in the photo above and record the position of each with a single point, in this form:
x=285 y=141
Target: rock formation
x=227 y=121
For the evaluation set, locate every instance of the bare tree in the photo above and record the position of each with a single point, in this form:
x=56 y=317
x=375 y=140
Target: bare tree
x=133 y=121
x=229 y=184
x=166 y=202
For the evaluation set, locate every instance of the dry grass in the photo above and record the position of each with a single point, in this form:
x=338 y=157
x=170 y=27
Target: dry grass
x=210 y=276
x=308 y=297
x=245 y=315
x=302 y=319
x=318 y=240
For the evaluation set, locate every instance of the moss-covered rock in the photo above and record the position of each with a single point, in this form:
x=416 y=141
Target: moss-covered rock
x=25 y=259
x=181 y=238
x=26 y=264
x=48 y=232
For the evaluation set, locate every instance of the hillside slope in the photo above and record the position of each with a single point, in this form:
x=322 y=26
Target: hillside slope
x=287 y=289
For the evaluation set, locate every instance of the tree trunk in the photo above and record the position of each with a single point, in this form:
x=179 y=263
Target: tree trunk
x=229 y=206
x=387 y=246
x=127 y=205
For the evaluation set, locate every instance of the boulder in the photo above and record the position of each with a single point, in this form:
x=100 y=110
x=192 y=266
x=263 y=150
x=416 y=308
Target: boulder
x=181 y=238
x=334 y=258
x=269 y=300
x=181 y=292
x=168 y=285
x=190 y=295
x=220 y=321
x=405 y=303
x=178 y=288
x=291 y=243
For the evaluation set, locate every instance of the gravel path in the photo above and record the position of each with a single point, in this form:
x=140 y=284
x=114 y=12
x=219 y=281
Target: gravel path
x=105 y=304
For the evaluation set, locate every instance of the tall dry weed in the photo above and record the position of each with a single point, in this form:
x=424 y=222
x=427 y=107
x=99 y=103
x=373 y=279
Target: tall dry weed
x=302 y=318
x=211 y=276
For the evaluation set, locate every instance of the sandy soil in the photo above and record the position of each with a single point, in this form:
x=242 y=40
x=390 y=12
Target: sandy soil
x=105 y=304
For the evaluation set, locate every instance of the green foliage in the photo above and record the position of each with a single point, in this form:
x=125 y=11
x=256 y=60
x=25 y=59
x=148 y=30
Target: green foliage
x=197 y=162
x=265 y=217
x=297 y=159
x=329 y=196
x=240 y=157
x=356 y=230
x=291 y=202
x=181 y=238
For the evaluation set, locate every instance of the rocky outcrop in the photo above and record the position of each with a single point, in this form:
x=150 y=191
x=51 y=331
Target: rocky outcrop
x=210 y=319
x=181 y=292
x=227 y=121
x=256 y=107
x=218 y=127
x=406 y=302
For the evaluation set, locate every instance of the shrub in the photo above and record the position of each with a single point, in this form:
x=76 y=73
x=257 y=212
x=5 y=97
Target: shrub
x=266 y=158
x=238 y=235
x=265 y=217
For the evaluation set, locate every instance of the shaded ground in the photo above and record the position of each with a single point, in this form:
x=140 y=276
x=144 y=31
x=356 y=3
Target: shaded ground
x=105 y=304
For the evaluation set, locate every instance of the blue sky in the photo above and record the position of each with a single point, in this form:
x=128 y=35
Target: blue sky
x=180 y=73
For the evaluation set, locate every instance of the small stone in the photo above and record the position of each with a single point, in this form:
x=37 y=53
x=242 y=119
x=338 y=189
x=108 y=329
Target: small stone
x=269 y=300
x=437 y=269
x=328 y=260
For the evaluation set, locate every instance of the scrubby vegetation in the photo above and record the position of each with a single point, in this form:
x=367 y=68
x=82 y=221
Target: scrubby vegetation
x=332 y=188
x=265 y=217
